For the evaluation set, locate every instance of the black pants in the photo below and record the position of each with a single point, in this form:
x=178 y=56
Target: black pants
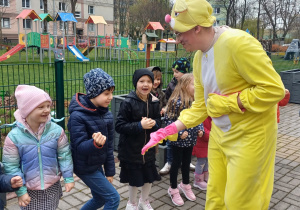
x=181 y=156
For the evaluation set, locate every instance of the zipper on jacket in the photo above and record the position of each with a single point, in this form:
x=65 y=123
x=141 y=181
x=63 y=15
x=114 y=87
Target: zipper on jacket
x=40 y=165
x=146 y=132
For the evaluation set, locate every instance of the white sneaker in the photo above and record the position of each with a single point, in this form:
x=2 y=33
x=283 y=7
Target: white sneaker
x=131 y=206
x=192 y=167
x=144 y=205
x=166 y=169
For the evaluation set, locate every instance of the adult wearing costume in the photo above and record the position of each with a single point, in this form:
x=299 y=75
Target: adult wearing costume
x=236 y=85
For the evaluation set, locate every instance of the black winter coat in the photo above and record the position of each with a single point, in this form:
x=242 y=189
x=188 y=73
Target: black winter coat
x=170 y=88
x=132 y=136
x=86 y=119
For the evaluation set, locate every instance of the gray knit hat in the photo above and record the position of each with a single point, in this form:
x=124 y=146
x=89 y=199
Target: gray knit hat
x=96 y=81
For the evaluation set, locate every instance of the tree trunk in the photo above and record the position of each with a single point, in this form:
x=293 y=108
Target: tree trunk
x=258 y=16
x=45 y=11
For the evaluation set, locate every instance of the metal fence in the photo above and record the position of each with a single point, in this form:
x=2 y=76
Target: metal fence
x=62 y=80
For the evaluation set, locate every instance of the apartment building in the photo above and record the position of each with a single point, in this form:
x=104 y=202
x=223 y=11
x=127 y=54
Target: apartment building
x=9 y=10
x=218 y=12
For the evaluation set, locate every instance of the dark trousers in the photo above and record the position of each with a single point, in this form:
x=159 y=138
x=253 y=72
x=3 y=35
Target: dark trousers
x=181 y=156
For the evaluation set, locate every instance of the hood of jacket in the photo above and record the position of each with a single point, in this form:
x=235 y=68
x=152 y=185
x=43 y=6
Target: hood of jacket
x=80 y=102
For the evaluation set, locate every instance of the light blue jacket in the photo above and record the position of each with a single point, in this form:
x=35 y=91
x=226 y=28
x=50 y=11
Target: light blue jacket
x=40 y=162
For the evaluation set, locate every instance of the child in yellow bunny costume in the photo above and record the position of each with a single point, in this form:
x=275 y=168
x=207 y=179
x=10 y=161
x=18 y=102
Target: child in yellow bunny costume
x=236 y=85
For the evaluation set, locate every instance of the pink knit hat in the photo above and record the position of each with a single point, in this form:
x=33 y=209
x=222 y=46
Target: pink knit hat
x=29 y=97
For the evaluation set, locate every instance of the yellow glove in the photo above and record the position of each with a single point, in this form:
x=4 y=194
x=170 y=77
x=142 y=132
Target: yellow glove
x=219 y=105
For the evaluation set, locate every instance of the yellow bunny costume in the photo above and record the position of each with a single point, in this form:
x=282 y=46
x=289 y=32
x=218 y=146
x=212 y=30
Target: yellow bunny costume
x=242 y=143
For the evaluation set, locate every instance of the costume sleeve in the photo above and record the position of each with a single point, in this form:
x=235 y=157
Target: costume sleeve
x=109 y=165
x=197 y=113
x=123 y=124
x=256 y=68
x=11 y=161
x=79 y=136
x=65 y=158
x=285 y=100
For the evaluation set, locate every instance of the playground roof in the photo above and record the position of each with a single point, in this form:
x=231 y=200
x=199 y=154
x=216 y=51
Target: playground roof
x=169 y=40
x=63 y=16
x=95 y=19
x=28 y=13
x=45 y=16
x=154 y=26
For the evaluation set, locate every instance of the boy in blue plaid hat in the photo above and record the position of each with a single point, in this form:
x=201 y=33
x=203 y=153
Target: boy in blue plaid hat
x=91 y=134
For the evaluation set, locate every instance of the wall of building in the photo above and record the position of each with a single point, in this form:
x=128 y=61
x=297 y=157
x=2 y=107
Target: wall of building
x=101 y=7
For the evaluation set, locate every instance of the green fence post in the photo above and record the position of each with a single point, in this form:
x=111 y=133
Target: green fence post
x=59 y=85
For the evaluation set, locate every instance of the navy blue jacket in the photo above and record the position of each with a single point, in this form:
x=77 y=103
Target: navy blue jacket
x=5 y=185
x=85 y=120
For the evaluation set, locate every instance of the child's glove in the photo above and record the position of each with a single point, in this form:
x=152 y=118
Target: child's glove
x=219 y=105
x=159 y=135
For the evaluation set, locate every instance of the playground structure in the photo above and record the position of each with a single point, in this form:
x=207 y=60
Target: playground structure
x=107 y=47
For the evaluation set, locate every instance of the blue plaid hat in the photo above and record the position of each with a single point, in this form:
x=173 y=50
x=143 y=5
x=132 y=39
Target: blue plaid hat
x=96 y=81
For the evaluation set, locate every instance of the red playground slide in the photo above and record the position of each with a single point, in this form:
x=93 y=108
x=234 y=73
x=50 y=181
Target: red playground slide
x=11 y=52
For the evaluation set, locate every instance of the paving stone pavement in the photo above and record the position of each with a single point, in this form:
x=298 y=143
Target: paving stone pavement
x=286 y=191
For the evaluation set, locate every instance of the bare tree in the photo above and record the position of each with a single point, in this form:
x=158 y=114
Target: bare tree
x=45 y=2
x=73 y=8
x=271 y=7
x=229 y=6
x=121 y=15
x=288 y=11
x=144 y=11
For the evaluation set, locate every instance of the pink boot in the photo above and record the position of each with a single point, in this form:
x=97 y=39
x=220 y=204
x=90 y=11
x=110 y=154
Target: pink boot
x=206 y=176
x=199 y=181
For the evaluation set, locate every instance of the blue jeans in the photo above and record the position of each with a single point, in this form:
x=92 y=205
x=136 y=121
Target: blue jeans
x=102 y=190
x=169 y=153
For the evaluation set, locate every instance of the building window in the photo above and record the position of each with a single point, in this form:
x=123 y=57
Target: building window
x=217 y=10
x=91 y=9
x=91 y=26
x=41 y=4
x=61 y=25
x=27 y=23
x=5 y=23
x=62 y=6
x=26 y=3
x=77 y=14
x=217 y=23
x=4 y=3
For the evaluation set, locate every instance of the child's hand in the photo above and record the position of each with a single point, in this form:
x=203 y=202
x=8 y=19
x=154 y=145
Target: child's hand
x=110 y=179
x=24 y=200
x=163 y=111
x=99 y=139
x=147 y=123
x=16 y=182
x=69 y=186
x=184 y=135
x=286 y=91
x=200 y=133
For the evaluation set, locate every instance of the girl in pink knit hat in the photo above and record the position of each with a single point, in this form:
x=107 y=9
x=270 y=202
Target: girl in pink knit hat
x=37 y=150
